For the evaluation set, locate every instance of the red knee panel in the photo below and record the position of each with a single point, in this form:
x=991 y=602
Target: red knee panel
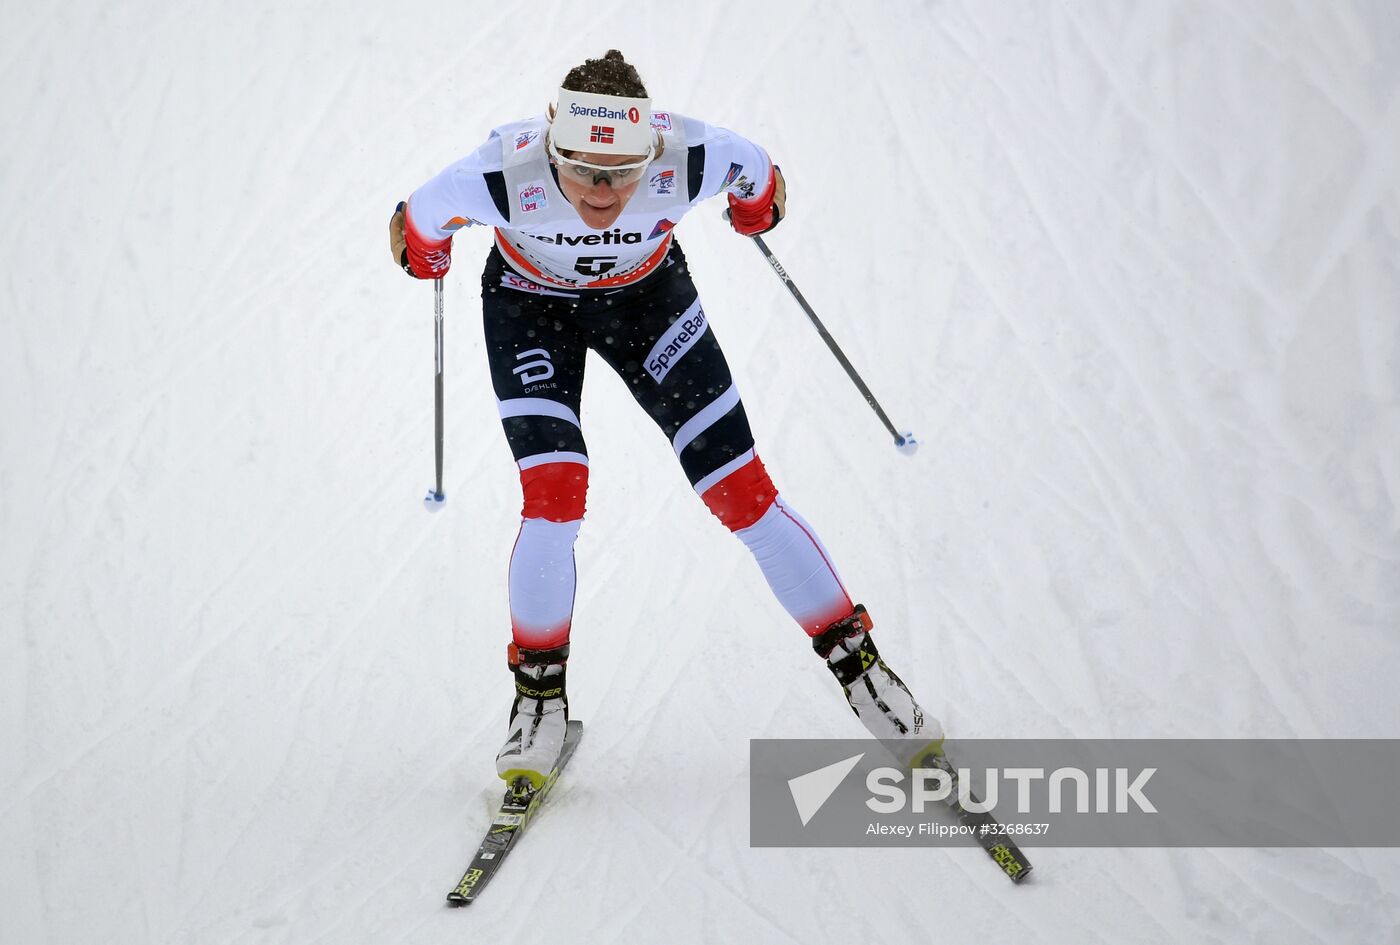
x=554 y=491
x=740 y=498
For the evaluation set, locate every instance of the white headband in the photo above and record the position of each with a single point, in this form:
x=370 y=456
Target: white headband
x=602 y=124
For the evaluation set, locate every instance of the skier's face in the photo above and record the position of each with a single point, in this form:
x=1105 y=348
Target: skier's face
x=598 y=196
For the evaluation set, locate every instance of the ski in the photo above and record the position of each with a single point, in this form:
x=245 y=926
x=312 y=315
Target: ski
x=988 y=831
x=516 y=811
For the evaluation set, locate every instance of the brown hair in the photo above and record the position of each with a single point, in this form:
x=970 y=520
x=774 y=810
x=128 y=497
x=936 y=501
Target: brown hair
x=611 y=75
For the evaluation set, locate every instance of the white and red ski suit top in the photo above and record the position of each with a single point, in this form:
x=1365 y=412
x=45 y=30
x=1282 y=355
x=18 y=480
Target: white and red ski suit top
x=506 y=183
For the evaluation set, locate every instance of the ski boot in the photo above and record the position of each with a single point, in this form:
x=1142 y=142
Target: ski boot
x=878 y=697
x=538 y=717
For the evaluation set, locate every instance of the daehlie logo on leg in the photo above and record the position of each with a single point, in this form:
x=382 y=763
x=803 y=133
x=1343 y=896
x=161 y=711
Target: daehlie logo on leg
x=540 y=369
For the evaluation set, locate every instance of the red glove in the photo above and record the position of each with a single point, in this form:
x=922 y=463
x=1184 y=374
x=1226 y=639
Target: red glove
x=762 y=212
x=420 y=258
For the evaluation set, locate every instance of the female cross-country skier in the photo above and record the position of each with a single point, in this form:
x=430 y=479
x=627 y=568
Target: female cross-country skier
x=583 y=202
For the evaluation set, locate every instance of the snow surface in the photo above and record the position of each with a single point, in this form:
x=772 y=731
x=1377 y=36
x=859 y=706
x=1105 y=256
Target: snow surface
x=1130 y=270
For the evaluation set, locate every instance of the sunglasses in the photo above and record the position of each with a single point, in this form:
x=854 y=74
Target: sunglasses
x=588 y=174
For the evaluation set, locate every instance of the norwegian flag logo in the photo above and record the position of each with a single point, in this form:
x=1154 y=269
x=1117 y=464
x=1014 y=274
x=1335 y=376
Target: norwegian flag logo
x=602 y=134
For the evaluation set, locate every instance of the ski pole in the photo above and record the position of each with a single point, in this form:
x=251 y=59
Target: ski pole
x=904 y=441
x=435 y=498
